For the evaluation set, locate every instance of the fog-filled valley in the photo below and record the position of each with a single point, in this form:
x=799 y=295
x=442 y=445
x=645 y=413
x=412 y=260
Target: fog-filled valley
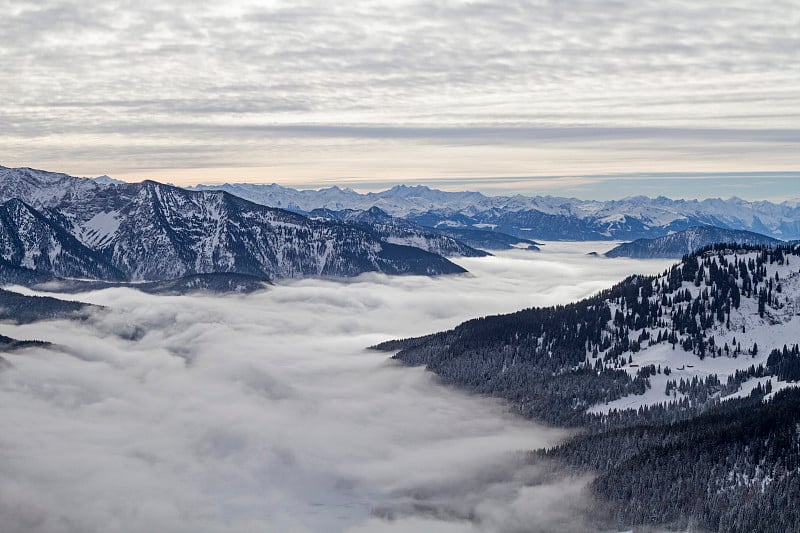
x=265 y=412
x=400 y=267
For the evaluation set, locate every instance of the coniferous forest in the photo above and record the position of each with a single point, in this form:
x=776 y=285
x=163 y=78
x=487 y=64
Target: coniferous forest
x=719 y=450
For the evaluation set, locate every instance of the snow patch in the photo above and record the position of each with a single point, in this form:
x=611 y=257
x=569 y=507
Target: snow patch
x=99 y=230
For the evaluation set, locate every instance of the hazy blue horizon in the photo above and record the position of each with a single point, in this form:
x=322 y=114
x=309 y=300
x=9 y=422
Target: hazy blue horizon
x=750 y=186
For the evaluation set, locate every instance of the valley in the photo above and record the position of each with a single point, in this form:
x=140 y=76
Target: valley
x=234 y=411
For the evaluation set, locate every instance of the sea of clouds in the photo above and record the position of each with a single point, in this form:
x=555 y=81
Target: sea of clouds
x=265 y=412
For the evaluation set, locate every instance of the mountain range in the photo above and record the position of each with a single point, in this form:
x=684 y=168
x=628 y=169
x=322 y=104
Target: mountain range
x=59 y=225
x=538 y=217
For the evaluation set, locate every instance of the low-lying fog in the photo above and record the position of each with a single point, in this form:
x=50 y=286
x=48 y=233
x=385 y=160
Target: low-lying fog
x=265 y=412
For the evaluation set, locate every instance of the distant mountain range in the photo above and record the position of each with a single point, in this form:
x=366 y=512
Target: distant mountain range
x=61 y=226
x=676 y=245
x=538 y=217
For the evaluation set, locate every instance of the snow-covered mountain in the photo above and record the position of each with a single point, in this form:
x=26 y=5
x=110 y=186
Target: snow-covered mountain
x=543 y=217
x=485 y=239
x=676 y=245
x=31 y=240
x=706 y=330
x=399 y=231
x=397 y=201
x=444 y=240
x=76 y=227
x=107 y=180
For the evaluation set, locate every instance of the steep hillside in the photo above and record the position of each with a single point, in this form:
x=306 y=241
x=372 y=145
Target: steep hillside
x=22 y=309
x=488 y=239
x=734 y=468
x=694 y=332
x=217 y=282
x=30 y=240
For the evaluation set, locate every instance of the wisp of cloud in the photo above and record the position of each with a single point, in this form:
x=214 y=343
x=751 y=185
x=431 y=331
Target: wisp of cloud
x=265 y=412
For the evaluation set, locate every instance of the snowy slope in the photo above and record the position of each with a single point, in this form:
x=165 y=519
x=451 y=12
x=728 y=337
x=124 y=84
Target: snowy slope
x=675 y=343
x=44 y=189
x=31 y=241
x=745 y=327
x=107 y=180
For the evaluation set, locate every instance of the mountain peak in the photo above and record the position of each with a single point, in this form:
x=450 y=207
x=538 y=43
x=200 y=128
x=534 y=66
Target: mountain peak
x=375 y=210
x=107 y=180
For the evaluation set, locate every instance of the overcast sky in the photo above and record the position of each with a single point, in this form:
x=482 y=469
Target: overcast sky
x=370 y=93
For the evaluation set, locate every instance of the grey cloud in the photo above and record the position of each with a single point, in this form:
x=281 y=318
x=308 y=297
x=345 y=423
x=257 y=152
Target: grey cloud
x=488 y=134
x=75 y=68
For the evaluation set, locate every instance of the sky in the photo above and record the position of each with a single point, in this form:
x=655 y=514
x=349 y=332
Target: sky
x=211 y=414
x=540 y=97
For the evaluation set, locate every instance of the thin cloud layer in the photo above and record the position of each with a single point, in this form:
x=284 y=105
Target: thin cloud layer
x=309 y=90
x=264 y=412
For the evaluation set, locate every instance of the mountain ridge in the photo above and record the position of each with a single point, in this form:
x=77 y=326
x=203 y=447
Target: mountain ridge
x=714 y=305
x=559 y=218
x=152 y=231
x=685 y=242
x=397 y=230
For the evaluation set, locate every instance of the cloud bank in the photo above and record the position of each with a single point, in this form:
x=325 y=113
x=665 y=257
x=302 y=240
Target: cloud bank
x=265 y=413
x=308 y=90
